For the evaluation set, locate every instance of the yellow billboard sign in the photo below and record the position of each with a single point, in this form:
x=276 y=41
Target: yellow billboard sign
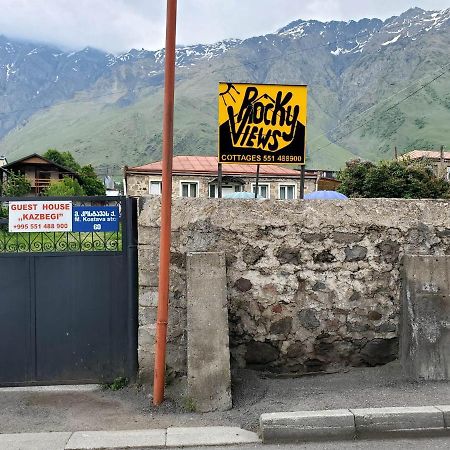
x=262 y=123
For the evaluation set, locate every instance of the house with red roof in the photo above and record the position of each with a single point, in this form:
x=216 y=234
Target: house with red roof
x=438 y=159
x=197 y=176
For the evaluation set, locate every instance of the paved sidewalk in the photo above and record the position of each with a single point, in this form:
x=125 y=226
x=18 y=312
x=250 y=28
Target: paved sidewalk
x=254 y=393
x=129 y=439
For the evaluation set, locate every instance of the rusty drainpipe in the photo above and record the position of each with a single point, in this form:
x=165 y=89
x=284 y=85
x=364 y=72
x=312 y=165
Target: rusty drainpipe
x=166 y=206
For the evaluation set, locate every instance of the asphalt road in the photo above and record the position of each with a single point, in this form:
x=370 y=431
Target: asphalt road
x=391 y=444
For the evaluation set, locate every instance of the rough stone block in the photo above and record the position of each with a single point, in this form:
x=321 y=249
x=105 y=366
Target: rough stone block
x=148 y=274
x=209 y=378
x=425 y=319
x=147 y=316
x=146 y=363
x=302 y=426
x=146 y=337
x=373 y=422
x=148 y=296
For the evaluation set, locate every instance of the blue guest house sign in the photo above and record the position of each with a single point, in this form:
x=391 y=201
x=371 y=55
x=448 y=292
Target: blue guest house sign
x=95 y=218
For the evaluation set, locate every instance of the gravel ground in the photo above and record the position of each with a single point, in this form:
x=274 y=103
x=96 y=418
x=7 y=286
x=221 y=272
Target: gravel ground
x=254 y=393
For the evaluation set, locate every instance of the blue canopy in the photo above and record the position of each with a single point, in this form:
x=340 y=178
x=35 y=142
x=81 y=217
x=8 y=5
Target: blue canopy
x=325 y=195
x=242 y=195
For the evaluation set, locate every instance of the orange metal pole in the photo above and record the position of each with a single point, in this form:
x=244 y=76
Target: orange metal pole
x=166 y=206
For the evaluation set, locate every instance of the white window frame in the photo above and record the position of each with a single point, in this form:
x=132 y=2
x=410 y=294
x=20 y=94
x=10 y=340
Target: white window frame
x=280 y=185
x=216 y=188
x=190 y=182
x=150 y=186
x=253 y=185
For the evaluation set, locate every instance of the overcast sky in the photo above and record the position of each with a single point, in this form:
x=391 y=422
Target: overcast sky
x=119 y=25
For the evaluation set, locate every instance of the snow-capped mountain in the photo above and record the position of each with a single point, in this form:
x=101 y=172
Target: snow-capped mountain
x=349 y=65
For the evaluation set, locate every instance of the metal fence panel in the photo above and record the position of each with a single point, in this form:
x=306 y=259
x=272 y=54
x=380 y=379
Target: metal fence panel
x=16 y=326
x=70 y=316
x=59 y=241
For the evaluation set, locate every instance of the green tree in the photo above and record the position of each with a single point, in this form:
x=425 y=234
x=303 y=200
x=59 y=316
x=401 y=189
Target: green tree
x=392 y=179
x=353 y=177
x=64 y=159
x=67 y=187
x=16 y=185
x=88 y=178
x=91 y=184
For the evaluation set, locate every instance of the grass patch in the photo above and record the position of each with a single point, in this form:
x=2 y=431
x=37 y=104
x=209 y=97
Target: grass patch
x=116 y=385
x=189 y=404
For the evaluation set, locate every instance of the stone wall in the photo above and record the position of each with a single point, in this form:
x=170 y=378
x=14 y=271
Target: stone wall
x=312 y=285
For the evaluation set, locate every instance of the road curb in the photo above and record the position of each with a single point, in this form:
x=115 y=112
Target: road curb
x=408 y=421
x=304 y=426
x=307 y=426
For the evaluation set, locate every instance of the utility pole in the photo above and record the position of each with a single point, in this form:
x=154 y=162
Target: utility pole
x=395 y=153
x=166 y=206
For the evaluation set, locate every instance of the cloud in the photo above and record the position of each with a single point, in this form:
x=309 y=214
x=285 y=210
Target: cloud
x=108 y=24
x=118 y=25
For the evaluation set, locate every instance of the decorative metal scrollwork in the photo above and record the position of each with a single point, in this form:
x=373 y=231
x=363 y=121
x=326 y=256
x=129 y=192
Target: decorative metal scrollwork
x=50 y=242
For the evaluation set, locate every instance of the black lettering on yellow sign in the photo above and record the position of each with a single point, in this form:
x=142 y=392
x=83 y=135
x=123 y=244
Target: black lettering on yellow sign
x=262 y=124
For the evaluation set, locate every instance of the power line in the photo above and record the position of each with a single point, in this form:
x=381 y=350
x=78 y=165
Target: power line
x=259 y=61
x=349 y=117
x=384 y=112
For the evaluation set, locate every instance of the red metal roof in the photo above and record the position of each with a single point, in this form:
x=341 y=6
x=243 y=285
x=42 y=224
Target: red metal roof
x=208 y=165
x=417 y=154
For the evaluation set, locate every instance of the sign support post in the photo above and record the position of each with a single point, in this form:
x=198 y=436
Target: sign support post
x=302 y=182
x=219 y=180
x=166 y=206
x=257 y=181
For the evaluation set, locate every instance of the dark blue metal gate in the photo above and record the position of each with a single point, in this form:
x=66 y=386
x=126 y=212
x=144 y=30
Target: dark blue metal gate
x=68 y=302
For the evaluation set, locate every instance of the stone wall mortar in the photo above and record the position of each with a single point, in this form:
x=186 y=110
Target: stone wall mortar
x=312 y=285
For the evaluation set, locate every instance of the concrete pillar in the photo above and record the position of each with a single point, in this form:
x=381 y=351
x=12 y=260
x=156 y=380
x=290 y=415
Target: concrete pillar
x=209 y=378
x=425 y=318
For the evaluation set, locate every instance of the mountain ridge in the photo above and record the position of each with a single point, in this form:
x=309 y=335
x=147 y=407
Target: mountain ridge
x=41 y=88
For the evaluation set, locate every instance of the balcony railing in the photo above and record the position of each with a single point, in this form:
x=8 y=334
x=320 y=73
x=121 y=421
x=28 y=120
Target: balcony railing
x=39 y=184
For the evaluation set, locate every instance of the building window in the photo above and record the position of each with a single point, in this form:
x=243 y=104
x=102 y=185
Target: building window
x=226 y=189
x=155 y=187
x=189 y=188
x=287 y=192
x=263 y=190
